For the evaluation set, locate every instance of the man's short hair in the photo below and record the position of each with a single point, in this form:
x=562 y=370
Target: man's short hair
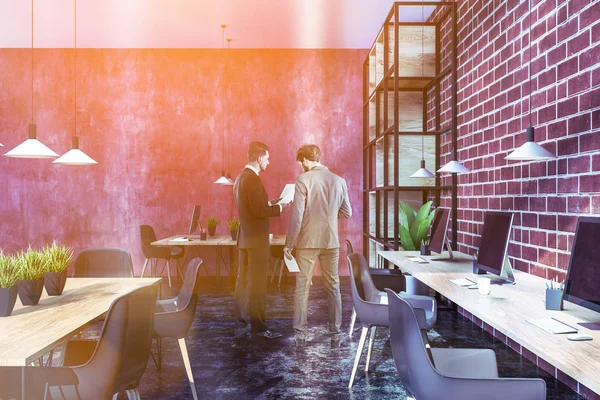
x=309 y=151
x=256 y=149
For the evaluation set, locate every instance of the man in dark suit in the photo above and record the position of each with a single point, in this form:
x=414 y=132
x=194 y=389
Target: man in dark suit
x=254 y=211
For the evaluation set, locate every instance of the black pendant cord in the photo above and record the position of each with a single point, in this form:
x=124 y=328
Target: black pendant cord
x=423 y=75
x=75 y=55
x=32 y=61
x=530 y=104
x=223 y=105
x=227 y=95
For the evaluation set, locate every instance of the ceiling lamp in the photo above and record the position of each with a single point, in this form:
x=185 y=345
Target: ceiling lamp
x=423 y=172
x=75 y=156
x=530 y=150
x=224 y=179
x=31 y=148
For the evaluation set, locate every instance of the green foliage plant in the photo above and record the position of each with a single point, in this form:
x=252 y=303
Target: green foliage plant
x=33 y=264
x=10 y=271
x=212 y=222
x=234 y=224
x=58 y=258
x=414 y=225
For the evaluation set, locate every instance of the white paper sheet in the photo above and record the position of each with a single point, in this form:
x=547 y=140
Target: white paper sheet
x=291 y=265
x=287 y=194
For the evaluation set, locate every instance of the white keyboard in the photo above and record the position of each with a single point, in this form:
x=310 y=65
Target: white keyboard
x=552 y=325
x=463 y=282
x=418 y=260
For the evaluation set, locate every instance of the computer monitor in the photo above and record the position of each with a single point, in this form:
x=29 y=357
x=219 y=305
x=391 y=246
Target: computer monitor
x=195 y=219
x=493 y=247
x=583 y=275
x=439 y=235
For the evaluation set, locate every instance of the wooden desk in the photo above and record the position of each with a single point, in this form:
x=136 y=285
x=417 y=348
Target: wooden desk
x=32 y=331
x=507 y=309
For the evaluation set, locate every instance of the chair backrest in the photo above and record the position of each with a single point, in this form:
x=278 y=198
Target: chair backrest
x=148 y=236
x=369 y=289
x=349 y=249
x=367 y=313
x=122 y=352
x=103 y=262
x=180 y=313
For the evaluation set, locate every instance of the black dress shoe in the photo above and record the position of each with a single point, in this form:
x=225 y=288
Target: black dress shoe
x=269 y=334
x=240 y=333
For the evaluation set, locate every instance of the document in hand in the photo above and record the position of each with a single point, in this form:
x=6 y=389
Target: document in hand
x=287 y=194
x=291 y=265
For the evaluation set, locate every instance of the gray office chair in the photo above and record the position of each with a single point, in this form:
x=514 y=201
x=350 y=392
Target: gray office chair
x=372 y=313
x=174 y=317
x=448 y=373
x=117 y=363
x=103 y=262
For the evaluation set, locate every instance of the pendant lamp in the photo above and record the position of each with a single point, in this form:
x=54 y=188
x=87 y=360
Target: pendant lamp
x=32 y=147
x=225 y=179
x=75 y=156
x=530 y=150
x=455 y=167
x=423 y=172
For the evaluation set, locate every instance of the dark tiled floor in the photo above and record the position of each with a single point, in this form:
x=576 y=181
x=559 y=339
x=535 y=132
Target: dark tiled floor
x=225 y=368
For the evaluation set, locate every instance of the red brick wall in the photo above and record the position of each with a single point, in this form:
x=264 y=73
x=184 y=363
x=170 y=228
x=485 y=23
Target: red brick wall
x=493 y=105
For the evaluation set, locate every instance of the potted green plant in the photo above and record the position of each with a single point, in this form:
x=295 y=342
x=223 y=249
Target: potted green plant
x=234 y=225
x=58 y=259
x=33 y=267
x=414 y=226
x=9 y=279
x=211 y=223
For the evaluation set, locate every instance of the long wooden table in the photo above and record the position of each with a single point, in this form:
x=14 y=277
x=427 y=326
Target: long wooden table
x=507 y=309
x=218 y=241
x=32 y=331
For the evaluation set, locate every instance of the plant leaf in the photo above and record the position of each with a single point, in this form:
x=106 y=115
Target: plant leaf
x=409 y=212
x=418 y=231
x=405 y=239
x=404 y=219
x=424 y=211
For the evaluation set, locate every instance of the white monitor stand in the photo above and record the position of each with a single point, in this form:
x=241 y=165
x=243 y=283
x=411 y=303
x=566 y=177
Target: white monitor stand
x=447 y=245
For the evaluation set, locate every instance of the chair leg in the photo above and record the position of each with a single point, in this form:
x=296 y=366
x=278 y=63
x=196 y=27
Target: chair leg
x=188 y=366
x=144 y=269
x=274 y=264
x=359 y=350
x=352 y=322
x=168 y=266
x=280 y=272
x=132 y=394
x=115 y=396
x=179 y=269
x=370 y=349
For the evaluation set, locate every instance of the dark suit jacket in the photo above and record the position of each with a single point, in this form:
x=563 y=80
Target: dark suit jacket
x=253 y=210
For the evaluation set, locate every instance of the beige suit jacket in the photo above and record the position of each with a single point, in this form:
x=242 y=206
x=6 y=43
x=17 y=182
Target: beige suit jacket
x=321 y=198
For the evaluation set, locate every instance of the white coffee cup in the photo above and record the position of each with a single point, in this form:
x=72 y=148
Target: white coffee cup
x=484 y=285
x=270 y=237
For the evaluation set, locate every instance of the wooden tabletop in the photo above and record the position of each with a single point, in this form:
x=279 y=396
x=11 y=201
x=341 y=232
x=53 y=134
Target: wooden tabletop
x=194 y=240
x=32 y=331
x=508 y=307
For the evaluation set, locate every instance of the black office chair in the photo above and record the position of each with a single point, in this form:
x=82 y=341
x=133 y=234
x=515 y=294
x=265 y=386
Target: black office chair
x=117 y=362
x=174 y=317
x=153 y=253
x=277 y=255
x=103 y=262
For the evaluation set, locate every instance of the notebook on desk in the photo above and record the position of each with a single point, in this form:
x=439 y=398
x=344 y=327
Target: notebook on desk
x=418 y=260
x=463 y=282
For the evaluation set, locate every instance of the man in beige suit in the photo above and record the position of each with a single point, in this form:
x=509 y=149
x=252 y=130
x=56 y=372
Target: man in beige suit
x=321 y=198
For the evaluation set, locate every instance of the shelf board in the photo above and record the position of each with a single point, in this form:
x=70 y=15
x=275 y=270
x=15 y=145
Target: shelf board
x=407 y=188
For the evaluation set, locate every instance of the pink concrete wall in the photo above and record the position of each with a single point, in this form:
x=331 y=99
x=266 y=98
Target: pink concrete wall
x=153 y=120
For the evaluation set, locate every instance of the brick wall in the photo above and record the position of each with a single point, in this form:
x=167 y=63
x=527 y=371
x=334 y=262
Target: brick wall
x=493 y=113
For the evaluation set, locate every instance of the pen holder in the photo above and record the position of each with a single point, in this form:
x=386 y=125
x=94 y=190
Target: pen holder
x=425 y=250
x=203 y=235
x=554 y=299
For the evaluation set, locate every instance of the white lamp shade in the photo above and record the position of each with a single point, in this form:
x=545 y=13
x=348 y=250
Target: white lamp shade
x=422 y=172
x=223 y=181
x=1 y=145
x=454 y=167
x=31 y=148
x=530 y=151
x=75 y=157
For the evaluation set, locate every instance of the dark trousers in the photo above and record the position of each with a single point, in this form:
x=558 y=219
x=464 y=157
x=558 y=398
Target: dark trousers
x=251 y=289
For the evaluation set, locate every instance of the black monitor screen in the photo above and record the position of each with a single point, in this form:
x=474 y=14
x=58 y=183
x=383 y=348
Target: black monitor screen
x=583 y=276
x=494 y=241
x=195 y=219
x=438 y=229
